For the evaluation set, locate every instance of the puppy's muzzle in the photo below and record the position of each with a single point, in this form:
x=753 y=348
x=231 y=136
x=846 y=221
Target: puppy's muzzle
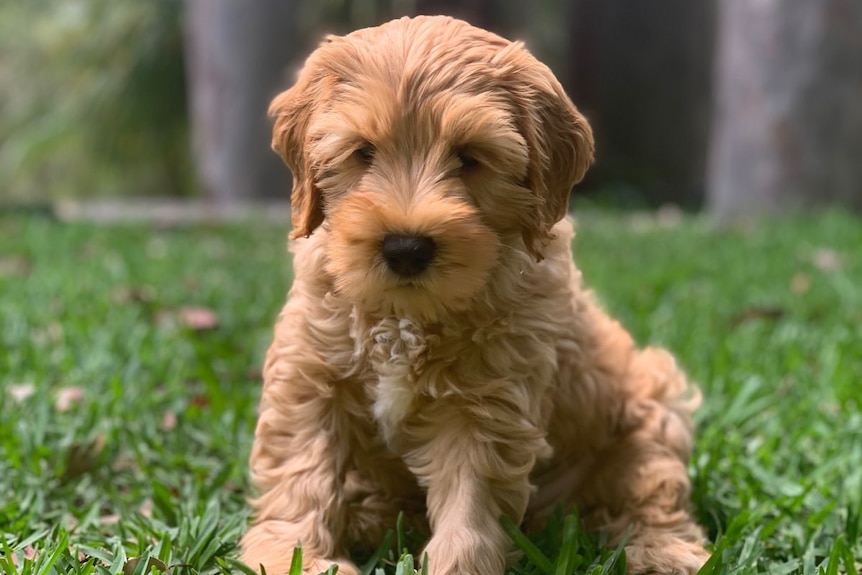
x=408 y=256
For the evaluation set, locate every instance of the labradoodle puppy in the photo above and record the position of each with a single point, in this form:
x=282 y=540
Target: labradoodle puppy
x=438 y=352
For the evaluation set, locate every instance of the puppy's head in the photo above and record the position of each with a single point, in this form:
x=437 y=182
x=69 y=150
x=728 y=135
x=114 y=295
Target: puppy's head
x=423 y=146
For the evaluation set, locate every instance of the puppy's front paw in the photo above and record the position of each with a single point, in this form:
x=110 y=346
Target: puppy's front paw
x=266 y=545
x=465 y=552
x=320 y=565
x=279 y=564
x=665 y=557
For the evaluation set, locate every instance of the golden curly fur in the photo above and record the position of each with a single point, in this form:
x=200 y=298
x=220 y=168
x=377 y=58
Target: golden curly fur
x=478 y=378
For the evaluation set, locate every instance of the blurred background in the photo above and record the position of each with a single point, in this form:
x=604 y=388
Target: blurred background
x=732 y=106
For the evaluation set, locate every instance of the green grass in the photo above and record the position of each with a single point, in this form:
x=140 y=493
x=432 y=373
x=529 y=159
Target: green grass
x=133 y=440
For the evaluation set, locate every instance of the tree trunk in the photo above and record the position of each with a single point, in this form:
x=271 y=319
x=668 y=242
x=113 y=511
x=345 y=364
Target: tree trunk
x=787 y=129
x=237 y=55
x=641 y=73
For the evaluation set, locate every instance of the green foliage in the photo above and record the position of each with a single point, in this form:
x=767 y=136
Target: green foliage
x=144 y=467
x=94 y=91
x=94 y=99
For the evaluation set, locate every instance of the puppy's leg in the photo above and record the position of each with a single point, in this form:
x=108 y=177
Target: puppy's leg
x=474 y=462
x=639 y=486
x=644 y=500
x=297 y=472
x=298 y=461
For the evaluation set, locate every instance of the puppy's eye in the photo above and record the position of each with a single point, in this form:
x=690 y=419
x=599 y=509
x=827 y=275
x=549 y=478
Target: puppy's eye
x=365 y=153
x=468 y=161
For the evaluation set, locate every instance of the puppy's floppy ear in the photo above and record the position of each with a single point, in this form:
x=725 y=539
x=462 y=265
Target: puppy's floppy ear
x=292 y=111
x=560 y=144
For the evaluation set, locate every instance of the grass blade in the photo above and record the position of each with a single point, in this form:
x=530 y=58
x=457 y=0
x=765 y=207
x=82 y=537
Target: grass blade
x=532 y=552
x=382 y=551
x=296 y=561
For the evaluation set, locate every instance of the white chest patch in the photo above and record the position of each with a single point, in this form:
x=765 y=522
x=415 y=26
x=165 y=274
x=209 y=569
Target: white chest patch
x=397 y=354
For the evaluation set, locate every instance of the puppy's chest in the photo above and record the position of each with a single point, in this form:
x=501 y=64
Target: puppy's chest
x=409 y=365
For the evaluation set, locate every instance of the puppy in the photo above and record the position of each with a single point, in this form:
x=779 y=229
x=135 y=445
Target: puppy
x=438 y=353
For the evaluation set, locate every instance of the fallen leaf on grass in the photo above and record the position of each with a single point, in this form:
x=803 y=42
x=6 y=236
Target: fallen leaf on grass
x=15 y=266
x=29 y=553
x=198 y=318
x=111 y=519
x=827 y=260
x=68 y=397
x=191 y=317
x=132 y=565
x=169 y=421
x=70 y=522
x=138 y=295
x=755 y=313
x=124 y=462
x=800 y=283
x=21 y=391
x=48 y=335
x=200 y=400
x=83 y=457
x=191 y=283
x=146 y=508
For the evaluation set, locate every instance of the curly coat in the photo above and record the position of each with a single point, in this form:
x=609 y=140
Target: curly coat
x=489 y=383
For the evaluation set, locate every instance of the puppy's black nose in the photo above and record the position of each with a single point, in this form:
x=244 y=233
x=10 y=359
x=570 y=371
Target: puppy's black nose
x=408 y=255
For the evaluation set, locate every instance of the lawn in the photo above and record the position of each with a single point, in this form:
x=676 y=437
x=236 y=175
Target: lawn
x=129 y=377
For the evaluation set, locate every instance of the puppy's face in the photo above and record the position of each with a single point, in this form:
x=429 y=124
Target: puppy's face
x=423 y=146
